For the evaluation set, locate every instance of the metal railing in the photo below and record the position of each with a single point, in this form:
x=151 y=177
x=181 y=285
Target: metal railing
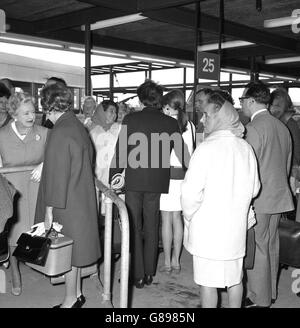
x=113 y=198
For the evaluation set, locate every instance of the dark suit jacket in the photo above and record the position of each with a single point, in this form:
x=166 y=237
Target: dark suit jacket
x=272 y=145
x=147 y=162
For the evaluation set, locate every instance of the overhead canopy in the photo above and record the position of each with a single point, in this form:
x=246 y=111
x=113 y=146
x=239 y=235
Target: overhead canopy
x=168 y=30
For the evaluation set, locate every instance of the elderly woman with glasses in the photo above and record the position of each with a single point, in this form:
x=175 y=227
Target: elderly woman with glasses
x=219 y=185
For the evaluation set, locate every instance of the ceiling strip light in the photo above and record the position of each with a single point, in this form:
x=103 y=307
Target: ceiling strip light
x=285 y=78
x=266 y=75
x=233 y=71
x=186 y=64
x=224 y=45
x=115 y=21
x=32 y=42
x=282 y=60
x=100 y=52
x=164 y=64
x=153 y=59
x=277 y=22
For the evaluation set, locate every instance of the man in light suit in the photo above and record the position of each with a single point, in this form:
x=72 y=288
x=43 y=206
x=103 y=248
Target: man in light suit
x=147 y=175
x=272 y=145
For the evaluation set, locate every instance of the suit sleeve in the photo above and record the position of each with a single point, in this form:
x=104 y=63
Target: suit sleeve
x=57 y=166
x=253 y=138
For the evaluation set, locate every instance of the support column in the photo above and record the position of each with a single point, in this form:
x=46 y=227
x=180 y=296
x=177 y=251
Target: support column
x=197 y=20
x=221 y=27
x=87 y=37
x=111 y=83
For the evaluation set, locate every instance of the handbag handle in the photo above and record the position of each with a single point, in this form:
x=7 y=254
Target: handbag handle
x=193 y=136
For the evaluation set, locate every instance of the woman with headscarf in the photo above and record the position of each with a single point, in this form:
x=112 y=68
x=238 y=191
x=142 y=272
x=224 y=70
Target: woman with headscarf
x=219 y=185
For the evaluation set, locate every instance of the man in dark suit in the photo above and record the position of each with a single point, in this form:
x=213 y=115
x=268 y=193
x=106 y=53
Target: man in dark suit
x=272 y=145
x=143 y=148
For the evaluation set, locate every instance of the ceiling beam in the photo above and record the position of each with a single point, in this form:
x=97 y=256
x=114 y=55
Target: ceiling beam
x=76 y=18
x=251 y=51
x=73 y=36
x=185 y=18
x=128 y=5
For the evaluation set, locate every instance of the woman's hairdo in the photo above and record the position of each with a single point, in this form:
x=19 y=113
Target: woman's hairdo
x=57 y=98
x=216 y=98
x=18 y=98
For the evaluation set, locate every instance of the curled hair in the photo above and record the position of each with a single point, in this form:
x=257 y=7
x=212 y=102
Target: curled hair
x=150 y=94
x=17 y=99
x=107 y=103
x=281 y=93
x=57 y=98
x=259 y=91
x=57 y=80
x=4 y=91
x=175 y=99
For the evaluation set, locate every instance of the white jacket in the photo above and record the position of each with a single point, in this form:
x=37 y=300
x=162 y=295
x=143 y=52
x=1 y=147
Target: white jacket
x=219 y=185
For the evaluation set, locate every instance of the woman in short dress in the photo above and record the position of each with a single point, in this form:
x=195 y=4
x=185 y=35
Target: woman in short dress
x=67 y=192
x=170 y=206
x=219 y=185
x=22 y=142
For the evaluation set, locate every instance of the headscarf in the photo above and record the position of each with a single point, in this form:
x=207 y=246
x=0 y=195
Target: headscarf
x=227 y=118
x=99 y=118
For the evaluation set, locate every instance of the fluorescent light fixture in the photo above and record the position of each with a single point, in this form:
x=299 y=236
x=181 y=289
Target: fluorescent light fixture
x=144 y=65
x=106 y=53
x=277 y=22
x=153 y=59
x=186 y=64
x=31 y=42
x=285 y=78
x=164 y=65
x=282 y=60
x=76 y=49
x=233 y=71
x=128 y=68
x=115 y=21
x=224 y=45
x=135 y=67
x=266 y=75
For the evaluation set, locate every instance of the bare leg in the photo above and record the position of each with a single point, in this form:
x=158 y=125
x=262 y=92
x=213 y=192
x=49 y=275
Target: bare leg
x=209 y=297
x=167 y=236
x=235 y=294
x=71 y=288
x=178 y=235
x=15 y=273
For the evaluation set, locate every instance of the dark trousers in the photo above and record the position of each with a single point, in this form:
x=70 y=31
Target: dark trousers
x=143 y=211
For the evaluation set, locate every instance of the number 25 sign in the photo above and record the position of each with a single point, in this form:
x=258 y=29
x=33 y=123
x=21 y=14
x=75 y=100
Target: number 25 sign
x=208 y=66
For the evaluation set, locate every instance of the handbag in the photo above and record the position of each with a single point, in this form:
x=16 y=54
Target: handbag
x=33 y=249
x=4 y=253
x=289 y=242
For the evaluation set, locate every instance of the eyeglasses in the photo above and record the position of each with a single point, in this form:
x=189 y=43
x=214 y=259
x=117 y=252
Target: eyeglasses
x=241 y=99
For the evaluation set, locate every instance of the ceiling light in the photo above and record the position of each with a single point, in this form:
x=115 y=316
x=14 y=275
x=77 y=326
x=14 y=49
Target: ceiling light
x=277 y=22
x=285 y=78
x=164 y=64
x=266 y=75
x=224 y=45
x=186 y=64
x=233 y=71
x=100 y=52
x=32 y=42
x=282 y=60
x=153 y=59
x=115 y=21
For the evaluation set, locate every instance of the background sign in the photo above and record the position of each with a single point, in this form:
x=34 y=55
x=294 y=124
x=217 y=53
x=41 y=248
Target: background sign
x=208 y=66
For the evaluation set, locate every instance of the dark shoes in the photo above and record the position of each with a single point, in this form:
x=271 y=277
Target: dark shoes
x=140 y=283
x=78 y=304
x=148 y=279
x=249 y=304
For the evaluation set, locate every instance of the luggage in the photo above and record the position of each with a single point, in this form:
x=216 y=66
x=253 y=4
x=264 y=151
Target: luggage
x=289 y=243
x=59 y=257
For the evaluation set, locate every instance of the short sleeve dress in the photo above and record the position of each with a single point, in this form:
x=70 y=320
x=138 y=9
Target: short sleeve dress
x=17 y=152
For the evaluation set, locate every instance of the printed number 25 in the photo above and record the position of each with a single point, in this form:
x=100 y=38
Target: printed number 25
x=208 y=65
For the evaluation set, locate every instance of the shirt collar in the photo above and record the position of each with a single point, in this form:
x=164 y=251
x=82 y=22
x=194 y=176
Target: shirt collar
x=256 y=113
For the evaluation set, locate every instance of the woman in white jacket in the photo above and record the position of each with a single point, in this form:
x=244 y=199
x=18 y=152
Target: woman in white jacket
x=217 y=191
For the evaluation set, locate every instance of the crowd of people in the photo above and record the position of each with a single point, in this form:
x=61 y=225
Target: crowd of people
x=218 y=188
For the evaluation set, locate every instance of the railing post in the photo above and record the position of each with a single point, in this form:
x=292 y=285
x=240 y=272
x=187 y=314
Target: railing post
x=107 y=249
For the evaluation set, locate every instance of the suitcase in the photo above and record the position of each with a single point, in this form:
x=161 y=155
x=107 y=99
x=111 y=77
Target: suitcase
x=59 y=257
x=289 y=243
